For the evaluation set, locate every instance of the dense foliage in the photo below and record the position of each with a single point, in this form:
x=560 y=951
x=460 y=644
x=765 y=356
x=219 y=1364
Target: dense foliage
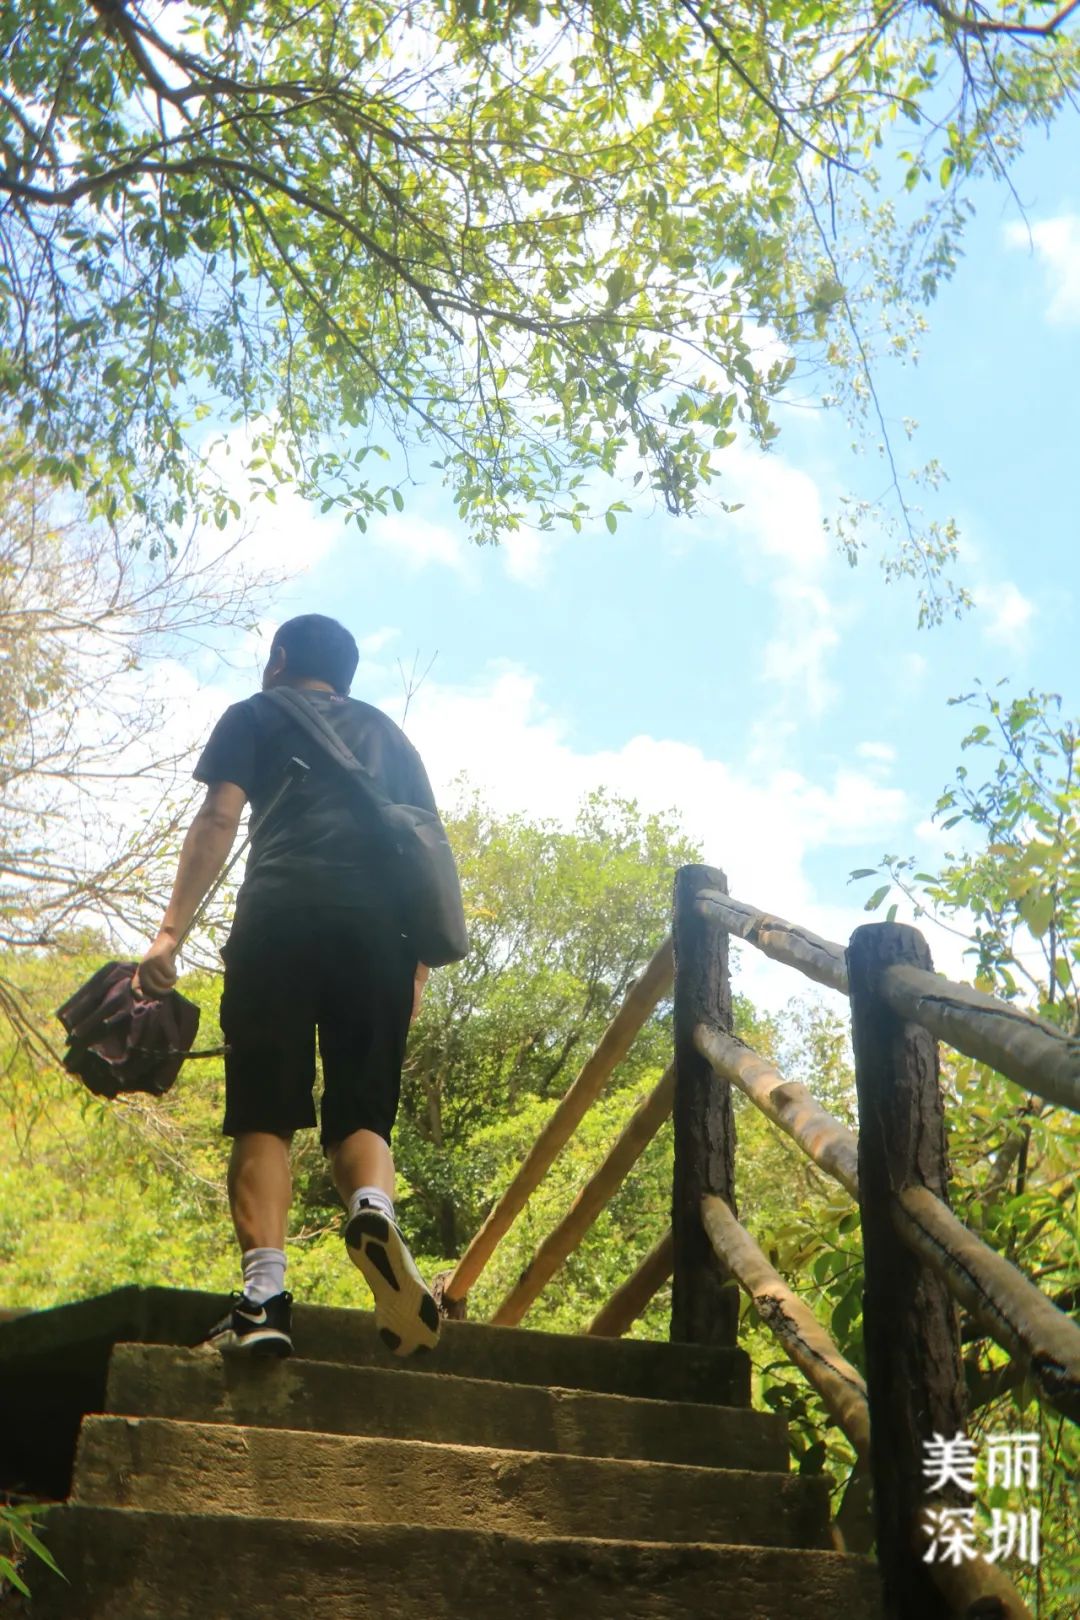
x=1014 y=892
x=543 y=241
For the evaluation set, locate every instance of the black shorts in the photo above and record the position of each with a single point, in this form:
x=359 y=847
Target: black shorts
x=347 y=973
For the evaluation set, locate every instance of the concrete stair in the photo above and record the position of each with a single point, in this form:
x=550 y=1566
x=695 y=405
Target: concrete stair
x=509 y=1474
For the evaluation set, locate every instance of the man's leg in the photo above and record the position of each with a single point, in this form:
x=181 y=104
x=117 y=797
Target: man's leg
x=260 y=1191
x=361 y=1160
x=367 y=993
x=268 y=1021
x=406 y=1315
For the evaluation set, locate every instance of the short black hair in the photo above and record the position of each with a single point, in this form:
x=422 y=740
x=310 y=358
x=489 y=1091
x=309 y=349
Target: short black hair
x=318 y=649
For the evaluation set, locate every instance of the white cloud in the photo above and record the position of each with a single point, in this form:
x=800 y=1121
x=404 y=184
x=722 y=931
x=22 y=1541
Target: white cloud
x=781 y=543
x=805 y=635
x=370 y=646
x=782 y=512
x=878 y=753
x=759 y=825
x=417 y=541
x=282 y=534
x=1056 y=244
x=933 y=834
x=1008 y=613
x=423 y=542
x=526 y=555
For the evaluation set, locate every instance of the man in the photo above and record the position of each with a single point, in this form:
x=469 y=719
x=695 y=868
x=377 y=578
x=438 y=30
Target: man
x=316 y=944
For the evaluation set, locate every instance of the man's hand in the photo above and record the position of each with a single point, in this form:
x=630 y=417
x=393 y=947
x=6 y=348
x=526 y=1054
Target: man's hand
x=155 y=975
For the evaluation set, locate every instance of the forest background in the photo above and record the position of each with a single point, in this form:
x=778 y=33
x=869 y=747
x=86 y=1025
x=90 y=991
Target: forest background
x=667 y=657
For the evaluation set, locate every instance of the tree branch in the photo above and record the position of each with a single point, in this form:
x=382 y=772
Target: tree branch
x=978 y=26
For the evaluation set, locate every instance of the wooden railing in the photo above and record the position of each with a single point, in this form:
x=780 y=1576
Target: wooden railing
x=920 y=1261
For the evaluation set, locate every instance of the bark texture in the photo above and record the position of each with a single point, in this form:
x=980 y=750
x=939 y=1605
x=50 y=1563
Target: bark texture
x=794 y=1324
x=788 y=1104
x=820 y=959
x=704 y=1295
x=910 y=1325
x=1014 y=1311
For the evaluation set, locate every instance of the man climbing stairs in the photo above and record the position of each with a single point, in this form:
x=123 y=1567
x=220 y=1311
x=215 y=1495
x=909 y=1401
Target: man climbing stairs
x=512 y=1473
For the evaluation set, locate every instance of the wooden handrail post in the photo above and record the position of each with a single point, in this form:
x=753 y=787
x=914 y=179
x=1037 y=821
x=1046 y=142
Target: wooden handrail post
x=704 y=1294
x=910 y=1323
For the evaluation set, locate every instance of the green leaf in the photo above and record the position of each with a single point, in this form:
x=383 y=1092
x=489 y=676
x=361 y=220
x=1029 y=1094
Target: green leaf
x=619 y=285
x=23 y=1532
x=1037 y=910
x=877 y=897
x=8 y=1572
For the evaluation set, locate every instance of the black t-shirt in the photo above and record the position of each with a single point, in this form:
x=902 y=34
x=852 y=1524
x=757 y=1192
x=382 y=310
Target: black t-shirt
x=314 y=848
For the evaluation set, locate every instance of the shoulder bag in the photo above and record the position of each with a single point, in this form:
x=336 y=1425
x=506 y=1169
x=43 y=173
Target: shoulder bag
x=424 y=873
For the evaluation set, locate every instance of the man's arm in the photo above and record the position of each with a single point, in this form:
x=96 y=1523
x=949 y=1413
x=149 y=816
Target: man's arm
x=205 y=850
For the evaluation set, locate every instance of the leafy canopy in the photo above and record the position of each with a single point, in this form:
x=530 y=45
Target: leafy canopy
x=527 y=237
x=1014 y=893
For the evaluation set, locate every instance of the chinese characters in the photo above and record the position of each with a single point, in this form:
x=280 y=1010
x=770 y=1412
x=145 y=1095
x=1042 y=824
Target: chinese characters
x=1013 y=1464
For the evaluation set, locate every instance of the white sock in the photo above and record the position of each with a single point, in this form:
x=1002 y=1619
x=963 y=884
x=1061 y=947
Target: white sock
x=264 y=1274
x=375 y=1198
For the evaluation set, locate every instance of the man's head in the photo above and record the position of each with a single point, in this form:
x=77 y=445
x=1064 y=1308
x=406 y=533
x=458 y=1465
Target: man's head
x=313 y=648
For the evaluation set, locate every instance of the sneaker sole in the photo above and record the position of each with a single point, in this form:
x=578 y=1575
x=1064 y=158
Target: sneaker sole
x=406 y=1316
x=267 y=1343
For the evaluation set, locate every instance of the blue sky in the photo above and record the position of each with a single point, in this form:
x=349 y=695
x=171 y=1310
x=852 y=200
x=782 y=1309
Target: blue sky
x=735 y=668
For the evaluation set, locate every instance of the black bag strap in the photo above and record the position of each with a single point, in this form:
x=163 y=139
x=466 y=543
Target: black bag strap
x=290 y=701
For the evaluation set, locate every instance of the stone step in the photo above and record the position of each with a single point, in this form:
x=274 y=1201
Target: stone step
x=53 y=1364
x=663 y=1371
x=123 y=1564
x=168 y=1466
x=324 y=1333
x=204 y=1386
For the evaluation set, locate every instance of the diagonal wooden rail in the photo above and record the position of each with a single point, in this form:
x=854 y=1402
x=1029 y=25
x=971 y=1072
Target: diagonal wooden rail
x=640 y=1000
x=590 y=1201
x=631 y=1298
x=842 y=1390
x=788 y=1104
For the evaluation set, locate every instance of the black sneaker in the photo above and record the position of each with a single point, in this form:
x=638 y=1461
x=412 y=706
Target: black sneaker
x=258 y=1330
x=406 y=1316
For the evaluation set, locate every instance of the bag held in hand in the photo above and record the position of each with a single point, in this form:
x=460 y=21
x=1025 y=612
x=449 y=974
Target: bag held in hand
x=424 y=873
x=120 y=1042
